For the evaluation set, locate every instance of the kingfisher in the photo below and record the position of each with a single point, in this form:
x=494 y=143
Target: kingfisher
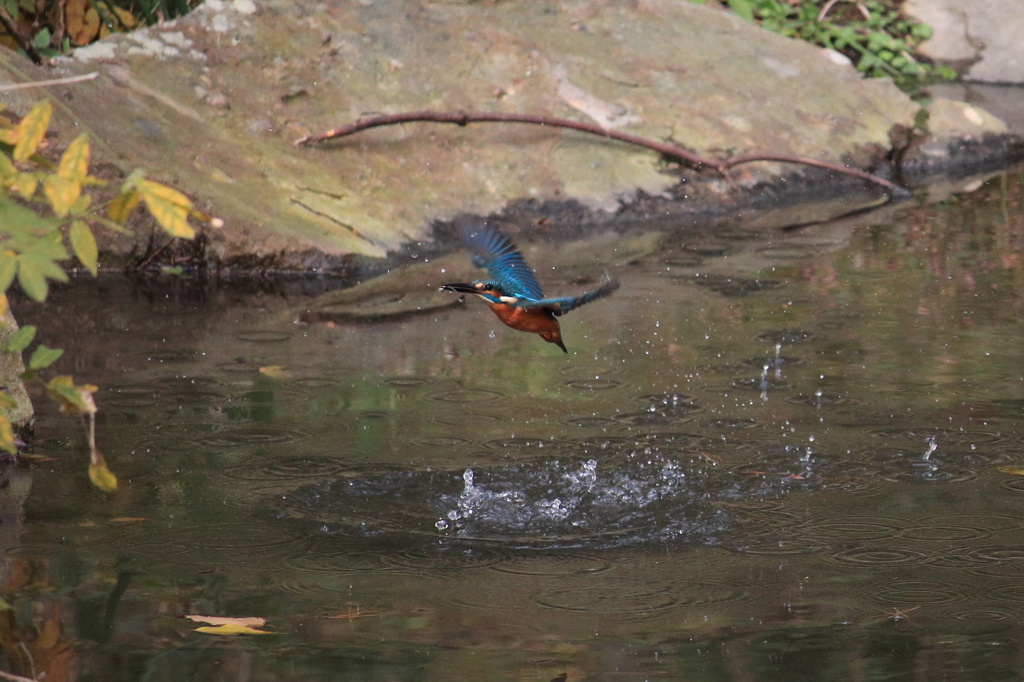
x=512 y=292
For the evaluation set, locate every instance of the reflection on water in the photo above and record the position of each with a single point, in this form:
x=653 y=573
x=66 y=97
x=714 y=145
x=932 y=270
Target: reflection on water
x=769 y=456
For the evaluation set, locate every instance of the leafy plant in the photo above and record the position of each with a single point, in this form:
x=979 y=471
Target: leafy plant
x=33 y=246
x=873 y=34
x=37 y=29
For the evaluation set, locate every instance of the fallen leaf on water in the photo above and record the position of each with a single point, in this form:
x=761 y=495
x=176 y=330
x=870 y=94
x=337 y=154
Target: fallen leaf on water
x=37 y=458
x=231 y=630
x=275 y=372
x=1014 y=470
x=100 y=475
x=253 y=621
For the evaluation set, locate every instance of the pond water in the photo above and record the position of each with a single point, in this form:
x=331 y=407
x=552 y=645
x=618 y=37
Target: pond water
x=769 y=456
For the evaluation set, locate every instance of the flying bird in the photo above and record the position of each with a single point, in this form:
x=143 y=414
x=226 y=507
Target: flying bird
x=512 y=292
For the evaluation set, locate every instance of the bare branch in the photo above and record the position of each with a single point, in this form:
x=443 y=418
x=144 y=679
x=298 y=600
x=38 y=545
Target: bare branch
x=670 y=151
x=53 y=81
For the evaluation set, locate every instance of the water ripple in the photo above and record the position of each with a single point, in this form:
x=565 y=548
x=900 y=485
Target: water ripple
x=879 y=556
x=593 y=384
x=465 y=396
x=612 y=597
x=553 y=565
x=919 y=592
x=292 y=467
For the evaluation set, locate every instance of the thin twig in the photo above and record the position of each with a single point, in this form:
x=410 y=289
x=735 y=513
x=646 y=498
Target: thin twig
x=24 y=43
x=807 y=161
x=671 y=151
x=143 y=264
x=464 y=118
x=61 y=24
x=824 y=10
x=52 y=81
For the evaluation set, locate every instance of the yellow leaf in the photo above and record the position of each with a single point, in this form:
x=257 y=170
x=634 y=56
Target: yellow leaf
x=37 y=458
x=74 y=163
x=122 y=206
x=1014 y=470
x=165 y=193
x=7 y=436
x=9 y=135
x=24 y=184
x=168 y=206
x=4 y=305
x=31 y=130
x=251 y=621
x=7 y=169
x=84 y=245
x=275 y=372
x=83 y=22
x=100 y=475
x=62 y=192
x=231 y=630
x=115 y=26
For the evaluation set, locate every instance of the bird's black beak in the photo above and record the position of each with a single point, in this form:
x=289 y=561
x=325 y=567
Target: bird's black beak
x=562 y=346
x=460 y=288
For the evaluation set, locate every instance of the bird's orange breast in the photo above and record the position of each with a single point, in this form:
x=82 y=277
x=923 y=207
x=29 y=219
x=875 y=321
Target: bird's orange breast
x=536 y=320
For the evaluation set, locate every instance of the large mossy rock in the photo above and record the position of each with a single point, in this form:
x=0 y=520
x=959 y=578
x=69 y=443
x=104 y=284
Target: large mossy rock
x=214 y=101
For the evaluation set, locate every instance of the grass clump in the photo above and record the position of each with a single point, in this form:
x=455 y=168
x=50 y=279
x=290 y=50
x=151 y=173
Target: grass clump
x=873 y=34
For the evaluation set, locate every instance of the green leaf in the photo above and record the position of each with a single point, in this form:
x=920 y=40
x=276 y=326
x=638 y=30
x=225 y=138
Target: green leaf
x=8 y=268
x=34 y=270
x=19 y=340
x=32 y=129
x=32 y=281
x=49 y=246
x=43 y=357
x=42 y=39
x=62 y=390
x=84 y=245
x=743 y=8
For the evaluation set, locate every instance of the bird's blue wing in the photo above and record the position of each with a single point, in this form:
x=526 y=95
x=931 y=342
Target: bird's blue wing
x=560 y=306
x=496 y=253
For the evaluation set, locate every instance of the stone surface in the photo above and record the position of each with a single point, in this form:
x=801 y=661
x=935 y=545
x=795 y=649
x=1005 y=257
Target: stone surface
x=963 y=140
x=213 y=102
x=11 y=367
x=1004 y=102
x=986 y=34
